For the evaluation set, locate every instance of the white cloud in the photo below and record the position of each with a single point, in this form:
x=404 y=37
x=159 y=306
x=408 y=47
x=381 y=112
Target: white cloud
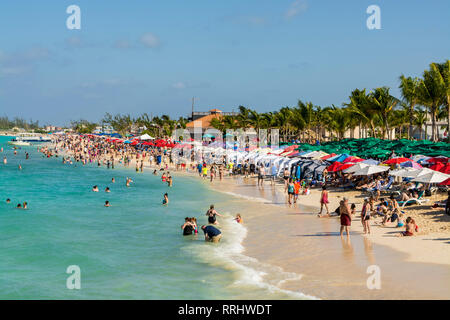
x=296 y=8
x=179 y=85
x=150 y=40
x=122 y=44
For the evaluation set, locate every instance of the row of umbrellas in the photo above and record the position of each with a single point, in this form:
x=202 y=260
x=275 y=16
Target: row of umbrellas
x=379 y=148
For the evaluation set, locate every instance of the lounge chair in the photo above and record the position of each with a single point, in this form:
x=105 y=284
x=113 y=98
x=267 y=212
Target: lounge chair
x=418 y=200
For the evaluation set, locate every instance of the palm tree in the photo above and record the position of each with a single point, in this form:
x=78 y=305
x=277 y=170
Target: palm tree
x=431 y=93
x=420 y=118
x=444 y=80
x=383 y=103
x=409 y=87
x=359 y=105
x=340 y=120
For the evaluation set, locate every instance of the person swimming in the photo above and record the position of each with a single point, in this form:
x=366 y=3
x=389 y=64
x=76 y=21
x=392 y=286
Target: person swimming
x=95 y=188
x=8 y=200
x=25 y=205
x=113 y=180
x=107 y=189
x=107 y=204
x=166 y=199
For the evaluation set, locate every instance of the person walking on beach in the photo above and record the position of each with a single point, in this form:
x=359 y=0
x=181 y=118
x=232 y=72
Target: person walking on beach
x=212 y=234
x=365 y=216
x=290 y=190
x=346 y=219
x=324 y=201
x=286 y=178
x=261 y=174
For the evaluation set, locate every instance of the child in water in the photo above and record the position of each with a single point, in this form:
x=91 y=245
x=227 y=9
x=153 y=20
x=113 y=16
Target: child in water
x=238 y=218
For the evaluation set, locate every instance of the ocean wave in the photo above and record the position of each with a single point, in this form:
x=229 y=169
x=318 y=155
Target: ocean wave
x=248 y=273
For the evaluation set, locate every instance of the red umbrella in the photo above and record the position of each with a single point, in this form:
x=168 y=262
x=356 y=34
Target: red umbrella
x=438 y=166
x=334 y=167
x=438 y=159
x=345 y=166
x=328 y=156
x=352 y=159
x=446 y=168
x=396 y=160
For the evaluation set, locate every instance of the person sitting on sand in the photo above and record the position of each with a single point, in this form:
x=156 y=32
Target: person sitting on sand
x=400 y=222
x=95 y=188
x=410 y=228
x=211 y=214
x=107 y=204
x=212 y=234
x=238 y=218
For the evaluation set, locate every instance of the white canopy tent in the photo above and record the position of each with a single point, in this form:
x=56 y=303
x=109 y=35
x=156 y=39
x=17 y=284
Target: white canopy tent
x=146 y=137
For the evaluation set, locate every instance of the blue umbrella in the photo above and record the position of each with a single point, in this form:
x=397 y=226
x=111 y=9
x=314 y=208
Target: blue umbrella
x=371 y=162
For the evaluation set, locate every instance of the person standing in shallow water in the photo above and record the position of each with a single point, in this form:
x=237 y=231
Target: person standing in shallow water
x=346 y=219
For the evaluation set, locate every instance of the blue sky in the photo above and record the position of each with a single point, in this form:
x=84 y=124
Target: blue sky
x=154 y=56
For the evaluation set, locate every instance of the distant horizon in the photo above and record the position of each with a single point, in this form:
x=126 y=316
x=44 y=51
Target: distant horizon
x=149 y=58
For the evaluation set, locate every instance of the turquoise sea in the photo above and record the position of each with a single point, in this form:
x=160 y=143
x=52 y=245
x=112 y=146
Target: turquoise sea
x=131 y=250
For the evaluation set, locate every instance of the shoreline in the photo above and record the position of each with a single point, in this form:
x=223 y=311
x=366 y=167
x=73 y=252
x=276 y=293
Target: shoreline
x=262 y=220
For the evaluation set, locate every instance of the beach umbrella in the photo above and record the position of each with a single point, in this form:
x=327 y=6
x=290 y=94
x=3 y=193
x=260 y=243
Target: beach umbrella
x=438 y=166
x=410 y=164
x=334 y=166
x=438 y=159
x=419 y=172
x=446 y=168
x=345 y=166
x=371 y=162
x=404 y=172
x=432 y=177
x=328 y=156
x=334 y=158
x=352 y=159
x=445 y=183
x=341 y=158
x=355 y=168
x=369 y=170
x=396 y=160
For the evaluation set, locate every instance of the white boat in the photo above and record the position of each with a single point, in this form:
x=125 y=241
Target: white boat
x=32 y=137
x=19 y=143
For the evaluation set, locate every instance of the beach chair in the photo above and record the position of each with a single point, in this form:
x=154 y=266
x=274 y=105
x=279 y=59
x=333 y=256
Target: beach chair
x=388 y=186
x=418 y=200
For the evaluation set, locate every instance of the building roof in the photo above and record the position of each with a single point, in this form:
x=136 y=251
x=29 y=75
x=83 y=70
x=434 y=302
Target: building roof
x=205 y=121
